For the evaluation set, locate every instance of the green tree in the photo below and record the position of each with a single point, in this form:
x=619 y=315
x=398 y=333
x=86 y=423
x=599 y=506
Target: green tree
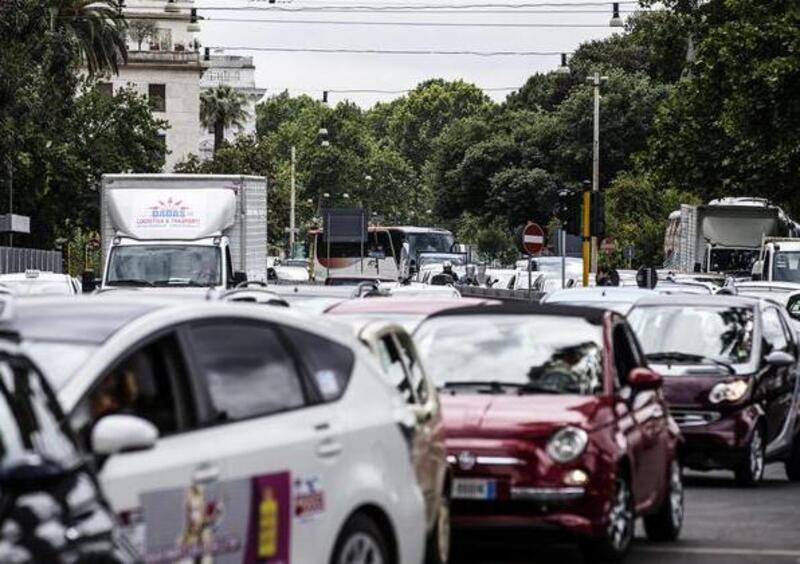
x=141 y=31
x=732 y=127
x=96 y=27
x=637 y=215
x=420 y=117
x=222 y=107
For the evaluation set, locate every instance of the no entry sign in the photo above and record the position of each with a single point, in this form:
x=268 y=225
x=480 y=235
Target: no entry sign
x=532 y=239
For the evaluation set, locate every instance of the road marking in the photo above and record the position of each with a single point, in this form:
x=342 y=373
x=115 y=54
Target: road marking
x=721 y=551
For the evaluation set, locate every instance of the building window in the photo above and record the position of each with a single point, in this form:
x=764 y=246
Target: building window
x=162 y=41
x=161 y=139
x=105 y=88
x=157 y=94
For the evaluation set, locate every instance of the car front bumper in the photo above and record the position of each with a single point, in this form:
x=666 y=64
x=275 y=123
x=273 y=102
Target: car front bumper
x=715 y=440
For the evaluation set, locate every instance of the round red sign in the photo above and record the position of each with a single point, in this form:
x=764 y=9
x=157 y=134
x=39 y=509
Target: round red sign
x=532 y=239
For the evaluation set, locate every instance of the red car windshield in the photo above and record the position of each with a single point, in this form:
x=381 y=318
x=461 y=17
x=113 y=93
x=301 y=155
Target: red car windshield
x=514 y=353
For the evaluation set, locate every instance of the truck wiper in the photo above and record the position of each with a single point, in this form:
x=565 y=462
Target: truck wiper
x=678 y=356
x=130 y=282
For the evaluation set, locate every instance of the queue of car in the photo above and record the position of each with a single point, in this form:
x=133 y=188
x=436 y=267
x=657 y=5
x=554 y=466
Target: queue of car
x=403 y=422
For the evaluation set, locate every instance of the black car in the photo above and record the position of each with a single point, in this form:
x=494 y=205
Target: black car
x=51 y=507
x=731 y=377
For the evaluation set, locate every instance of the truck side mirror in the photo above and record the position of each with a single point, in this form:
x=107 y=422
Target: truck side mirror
x=88 y=282
x=756 y=271
x=239 y=277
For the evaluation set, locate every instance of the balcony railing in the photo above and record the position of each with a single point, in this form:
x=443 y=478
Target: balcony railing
x=164 y=57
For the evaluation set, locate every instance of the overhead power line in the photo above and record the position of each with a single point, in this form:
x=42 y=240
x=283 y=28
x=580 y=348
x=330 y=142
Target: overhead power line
x=468 y=6
x=406 y=23
x=389 y=51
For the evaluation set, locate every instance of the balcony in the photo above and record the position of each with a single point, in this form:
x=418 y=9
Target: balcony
x=177 y=58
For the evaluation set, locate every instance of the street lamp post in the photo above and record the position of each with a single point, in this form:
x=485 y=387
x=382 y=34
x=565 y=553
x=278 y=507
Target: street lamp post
x=293 y=195
x=596 y=80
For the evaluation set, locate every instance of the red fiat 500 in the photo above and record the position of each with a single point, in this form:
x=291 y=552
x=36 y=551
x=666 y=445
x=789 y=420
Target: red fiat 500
x=554 y=423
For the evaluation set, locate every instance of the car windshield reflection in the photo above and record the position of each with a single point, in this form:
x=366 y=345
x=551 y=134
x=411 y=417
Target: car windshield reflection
x=717 y=333
x=513 y=354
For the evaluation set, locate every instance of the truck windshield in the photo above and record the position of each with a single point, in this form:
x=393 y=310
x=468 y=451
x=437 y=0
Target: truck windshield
x=787 y=267
x=162 y=265
x=732 y=260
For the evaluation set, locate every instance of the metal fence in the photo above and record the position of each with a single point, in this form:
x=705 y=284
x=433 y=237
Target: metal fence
x=501 y=294
x=16 y=259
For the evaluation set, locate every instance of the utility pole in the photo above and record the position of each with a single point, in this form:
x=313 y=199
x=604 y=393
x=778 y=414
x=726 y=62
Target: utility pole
x=596 y=80
x=293 y=196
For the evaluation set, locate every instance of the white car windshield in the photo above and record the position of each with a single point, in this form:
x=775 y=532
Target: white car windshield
x=531 y=353
x=695 y=333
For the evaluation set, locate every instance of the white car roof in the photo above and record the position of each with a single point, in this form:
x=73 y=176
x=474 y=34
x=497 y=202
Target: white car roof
x=34 y=275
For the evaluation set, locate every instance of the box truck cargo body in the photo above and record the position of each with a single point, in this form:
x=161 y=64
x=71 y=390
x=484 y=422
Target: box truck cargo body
x=723 y=236
x=183 y=230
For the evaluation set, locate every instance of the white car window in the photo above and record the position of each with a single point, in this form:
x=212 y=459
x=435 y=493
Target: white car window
x=248 y=370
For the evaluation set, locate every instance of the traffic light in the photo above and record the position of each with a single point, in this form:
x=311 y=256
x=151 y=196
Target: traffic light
x=569 y=210
x=597 y=225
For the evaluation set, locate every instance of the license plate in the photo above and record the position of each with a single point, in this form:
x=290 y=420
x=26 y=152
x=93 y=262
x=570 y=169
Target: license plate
x=474 y=488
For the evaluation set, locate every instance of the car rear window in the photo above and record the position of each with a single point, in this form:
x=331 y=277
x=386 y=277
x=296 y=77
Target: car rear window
x=329 y=364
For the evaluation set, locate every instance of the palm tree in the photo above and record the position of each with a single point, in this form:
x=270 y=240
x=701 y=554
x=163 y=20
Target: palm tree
x=220 y=108
x=98 y=29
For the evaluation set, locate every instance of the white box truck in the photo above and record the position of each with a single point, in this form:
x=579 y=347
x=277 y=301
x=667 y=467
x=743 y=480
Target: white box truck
x=723 y=236
x=183 y=230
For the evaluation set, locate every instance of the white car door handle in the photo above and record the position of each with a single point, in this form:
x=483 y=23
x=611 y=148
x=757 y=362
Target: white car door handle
x=329 y=448
x=205 y=474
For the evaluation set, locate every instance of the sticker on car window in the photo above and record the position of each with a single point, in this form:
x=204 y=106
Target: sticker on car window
x=328 y=383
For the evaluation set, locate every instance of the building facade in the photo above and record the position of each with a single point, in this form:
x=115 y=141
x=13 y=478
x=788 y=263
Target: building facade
x=239 y=73
x=166 y=67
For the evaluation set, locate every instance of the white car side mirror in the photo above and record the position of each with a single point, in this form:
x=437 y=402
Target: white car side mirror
x=121 y=433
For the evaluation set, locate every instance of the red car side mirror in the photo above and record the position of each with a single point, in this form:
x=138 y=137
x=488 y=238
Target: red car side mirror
x=644 y=379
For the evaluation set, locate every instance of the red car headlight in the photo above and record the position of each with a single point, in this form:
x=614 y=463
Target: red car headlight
x=567 y=444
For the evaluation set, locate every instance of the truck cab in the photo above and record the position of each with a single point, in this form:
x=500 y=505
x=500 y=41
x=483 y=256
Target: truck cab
x=779 y=261
x=201 y=263
x=183 y=231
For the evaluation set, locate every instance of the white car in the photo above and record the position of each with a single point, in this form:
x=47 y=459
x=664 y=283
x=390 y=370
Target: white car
x=36 y=283
x=617 y=298
x=231 y=430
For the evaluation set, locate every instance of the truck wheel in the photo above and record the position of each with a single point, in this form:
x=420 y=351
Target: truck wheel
x=792 y=463
x=751 y=470
x=437 y=547
x=616 y=539
x=361 y=542
x=665 y=525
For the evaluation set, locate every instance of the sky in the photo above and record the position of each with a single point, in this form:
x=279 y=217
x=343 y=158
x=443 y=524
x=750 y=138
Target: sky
x=566 y=23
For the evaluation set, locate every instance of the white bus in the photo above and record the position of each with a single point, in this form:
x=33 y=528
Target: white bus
x=382 y=252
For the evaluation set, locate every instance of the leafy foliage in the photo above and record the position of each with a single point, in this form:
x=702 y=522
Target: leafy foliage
x=222 y=107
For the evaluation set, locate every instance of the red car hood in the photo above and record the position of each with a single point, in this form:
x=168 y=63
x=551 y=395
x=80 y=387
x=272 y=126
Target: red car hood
x=489 y=415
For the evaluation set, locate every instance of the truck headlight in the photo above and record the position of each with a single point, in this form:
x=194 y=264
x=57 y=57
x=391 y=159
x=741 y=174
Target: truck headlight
x=728 y=391
x=567 y=444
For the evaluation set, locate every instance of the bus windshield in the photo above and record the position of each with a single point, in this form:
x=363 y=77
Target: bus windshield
x=439 y=242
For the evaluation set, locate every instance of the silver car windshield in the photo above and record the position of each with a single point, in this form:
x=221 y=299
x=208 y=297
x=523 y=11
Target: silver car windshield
x=174 y=265
x=531 y=353
x=715 y=332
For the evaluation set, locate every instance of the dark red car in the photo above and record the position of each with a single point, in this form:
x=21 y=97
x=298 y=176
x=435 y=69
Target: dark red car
x=731 y=369
x=554 y=422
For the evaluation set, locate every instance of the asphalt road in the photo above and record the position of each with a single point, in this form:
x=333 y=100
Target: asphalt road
x=724 y=524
